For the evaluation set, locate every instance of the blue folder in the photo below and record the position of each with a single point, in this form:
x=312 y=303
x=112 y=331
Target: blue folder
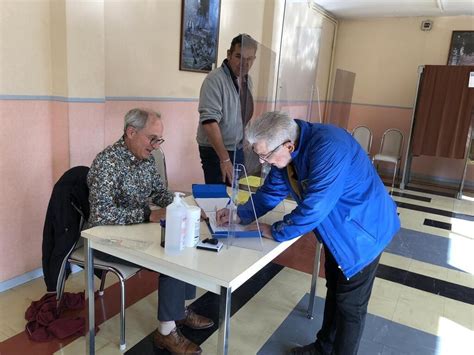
x=239 y=234
x=210 y=191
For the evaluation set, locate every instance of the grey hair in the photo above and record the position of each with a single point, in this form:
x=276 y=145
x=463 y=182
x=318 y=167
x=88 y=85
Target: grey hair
x=273 y=127
x=138 y=117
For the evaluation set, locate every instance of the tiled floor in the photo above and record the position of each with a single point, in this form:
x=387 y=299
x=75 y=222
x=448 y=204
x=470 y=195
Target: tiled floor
x=422 y=301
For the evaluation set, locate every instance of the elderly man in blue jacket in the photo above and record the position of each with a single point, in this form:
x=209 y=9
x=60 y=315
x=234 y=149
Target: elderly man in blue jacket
x=341 y=198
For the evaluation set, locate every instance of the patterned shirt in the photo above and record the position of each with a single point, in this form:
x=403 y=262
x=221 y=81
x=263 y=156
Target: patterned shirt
x=121 y=186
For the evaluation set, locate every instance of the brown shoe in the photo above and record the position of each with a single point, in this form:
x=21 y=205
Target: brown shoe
x=195 y=321
x=175 y=343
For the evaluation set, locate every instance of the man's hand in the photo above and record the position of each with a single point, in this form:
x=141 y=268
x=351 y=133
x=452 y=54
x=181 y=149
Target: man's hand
x=266 y=230
x=156 y=215
x=222 y=217
x=227 y=169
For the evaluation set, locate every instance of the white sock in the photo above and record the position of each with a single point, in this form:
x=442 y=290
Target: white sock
x=166 y=327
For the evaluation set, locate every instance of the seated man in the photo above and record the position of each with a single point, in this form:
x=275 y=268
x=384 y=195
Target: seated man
x=122 y=179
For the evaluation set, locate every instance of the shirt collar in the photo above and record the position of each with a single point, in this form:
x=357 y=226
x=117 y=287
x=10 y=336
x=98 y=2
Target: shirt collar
x=226 y=64
x=122 y=145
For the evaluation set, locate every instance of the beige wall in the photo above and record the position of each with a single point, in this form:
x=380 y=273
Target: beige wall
x=25 y=43
x=384 y=54
x=148 y=65
x=85 y=48
x=328 y=32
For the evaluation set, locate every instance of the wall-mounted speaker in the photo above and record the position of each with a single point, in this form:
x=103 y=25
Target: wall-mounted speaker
x=426 y=25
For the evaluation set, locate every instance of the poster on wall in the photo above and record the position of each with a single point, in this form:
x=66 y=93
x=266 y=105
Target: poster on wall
x=461 y=51
x=199 y=35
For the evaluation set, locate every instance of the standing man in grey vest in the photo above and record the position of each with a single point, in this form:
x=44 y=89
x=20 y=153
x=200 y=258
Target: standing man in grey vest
x=225 y=106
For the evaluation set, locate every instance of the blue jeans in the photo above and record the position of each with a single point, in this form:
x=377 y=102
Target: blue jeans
x=345 y=308
x=211 y=164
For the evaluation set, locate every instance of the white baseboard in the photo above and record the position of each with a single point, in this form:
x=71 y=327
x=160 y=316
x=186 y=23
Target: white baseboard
x=22 y=279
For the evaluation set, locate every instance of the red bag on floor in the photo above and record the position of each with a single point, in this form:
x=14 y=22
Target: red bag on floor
x=43 y=319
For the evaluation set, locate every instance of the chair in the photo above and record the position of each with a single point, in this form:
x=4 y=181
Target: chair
x=160 y=161
x=390 y=150
x=76 y=256
x=363 y=136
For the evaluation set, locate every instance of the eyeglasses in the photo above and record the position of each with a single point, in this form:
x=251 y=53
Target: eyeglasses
x=268 y=155
x=155 y=141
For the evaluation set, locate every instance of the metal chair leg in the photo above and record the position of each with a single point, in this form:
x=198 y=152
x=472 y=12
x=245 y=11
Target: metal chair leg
x=393 y=180
x=102 y=283
x=123 y=344
x=59 y=295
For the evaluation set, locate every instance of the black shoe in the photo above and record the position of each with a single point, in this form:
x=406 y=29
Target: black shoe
x=309 y=349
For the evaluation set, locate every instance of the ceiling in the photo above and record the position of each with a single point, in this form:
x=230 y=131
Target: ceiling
x=397 y=8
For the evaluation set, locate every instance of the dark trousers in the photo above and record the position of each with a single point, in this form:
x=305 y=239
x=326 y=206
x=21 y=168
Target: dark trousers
x=171 y=296
x=345 y=308
x=211 y=164
x=171 y=292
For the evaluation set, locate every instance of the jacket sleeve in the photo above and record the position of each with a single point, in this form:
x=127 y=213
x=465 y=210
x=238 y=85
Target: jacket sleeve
x=102 y=182
x=328 y=170
x=267 y=197
x=210 y=100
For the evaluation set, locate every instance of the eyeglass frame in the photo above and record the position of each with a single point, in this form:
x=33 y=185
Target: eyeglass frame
x=268 y=155
x=153 y=140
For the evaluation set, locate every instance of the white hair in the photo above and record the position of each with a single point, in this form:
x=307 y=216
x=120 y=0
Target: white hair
x=138 y=117
x=272 y=127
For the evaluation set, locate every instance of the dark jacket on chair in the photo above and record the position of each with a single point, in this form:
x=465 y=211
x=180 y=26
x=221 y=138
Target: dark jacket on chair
x=62 y=225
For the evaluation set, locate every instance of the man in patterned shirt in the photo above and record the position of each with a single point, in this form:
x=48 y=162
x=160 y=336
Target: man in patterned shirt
x=122 y=179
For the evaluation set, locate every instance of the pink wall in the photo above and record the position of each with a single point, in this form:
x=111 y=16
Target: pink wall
x=381 y=118
x=27 y=166
x=86 y=131
x=41 y=139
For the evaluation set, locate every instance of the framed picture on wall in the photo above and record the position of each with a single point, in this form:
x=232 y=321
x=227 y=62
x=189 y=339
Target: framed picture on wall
x=461 y=51
x=199 y=35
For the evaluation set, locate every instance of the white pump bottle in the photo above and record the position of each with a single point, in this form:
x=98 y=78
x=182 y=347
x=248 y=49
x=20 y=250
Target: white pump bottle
x=175 y=225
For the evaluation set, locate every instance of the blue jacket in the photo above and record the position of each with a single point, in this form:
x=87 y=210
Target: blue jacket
x=343 y=199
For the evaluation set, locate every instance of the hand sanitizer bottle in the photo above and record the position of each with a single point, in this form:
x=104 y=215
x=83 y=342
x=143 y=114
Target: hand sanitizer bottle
x=175 y=225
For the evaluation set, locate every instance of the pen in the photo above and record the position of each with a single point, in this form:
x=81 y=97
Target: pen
x=226 y=206
x=205 y=218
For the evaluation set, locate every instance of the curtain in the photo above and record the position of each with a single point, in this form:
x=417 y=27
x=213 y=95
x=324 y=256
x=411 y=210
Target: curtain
x=444 y=112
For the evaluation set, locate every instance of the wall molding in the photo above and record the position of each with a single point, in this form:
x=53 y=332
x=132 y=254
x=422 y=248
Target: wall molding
x=50 y=98
x=175 y=99
x=92 y=99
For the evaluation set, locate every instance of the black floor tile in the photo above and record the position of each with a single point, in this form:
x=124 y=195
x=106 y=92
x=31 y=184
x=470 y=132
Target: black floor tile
x=426 y=283
x=433 y=192
x=411 y=196
x=437 y=211
x=437 y=224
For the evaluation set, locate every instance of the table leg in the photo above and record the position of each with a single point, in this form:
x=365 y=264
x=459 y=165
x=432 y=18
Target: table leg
x=312 y=294
x=224 y=321
x=89 y=278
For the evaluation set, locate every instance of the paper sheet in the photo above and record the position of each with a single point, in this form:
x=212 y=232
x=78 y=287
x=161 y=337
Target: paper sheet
x=211 y=204
x=217 y=229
